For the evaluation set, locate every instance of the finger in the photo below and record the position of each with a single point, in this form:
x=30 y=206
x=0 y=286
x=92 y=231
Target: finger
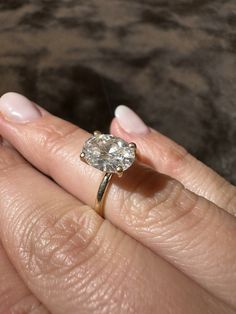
x=74 y=261
x=169 y=158
x=15 y=297
x=190 y=232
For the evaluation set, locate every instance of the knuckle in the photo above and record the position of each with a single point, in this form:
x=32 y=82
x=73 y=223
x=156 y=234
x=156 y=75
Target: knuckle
x=55 y=244
x=174 y=158
x=180 y=212
x=54 y=137
x=140 y=203
x=9 y=160
x=28 y=305
x=184 y=211
x=156 y=203
x=76 y=252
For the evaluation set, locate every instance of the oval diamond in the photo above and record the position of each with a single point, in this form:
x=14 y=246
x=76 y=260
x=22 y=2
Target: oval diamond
x=108 y=153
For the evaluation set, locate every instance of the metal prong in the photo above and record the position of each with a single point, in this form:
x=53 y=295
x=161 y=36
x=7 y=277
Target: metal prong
x=132 y=145
x=119 y=171
x=82 y=155
x=97 y=133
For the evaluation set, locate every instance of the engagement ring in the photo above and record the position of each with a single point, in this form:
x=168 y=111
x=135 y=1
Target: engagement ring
x=111 y=155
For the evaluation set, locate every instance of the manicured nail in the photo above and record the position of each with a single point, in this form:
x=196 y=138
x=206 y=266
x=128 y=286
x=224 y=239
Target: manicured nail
x=17 y=108
x=130 y=121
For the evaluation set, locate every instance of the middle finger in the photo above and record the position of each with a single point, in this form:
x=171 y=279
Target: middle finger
x=192 y=233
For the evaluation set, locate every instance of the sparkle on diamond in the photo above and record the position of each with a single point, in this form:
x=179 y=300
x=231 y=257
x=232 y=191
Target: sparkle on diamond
x=107 y=152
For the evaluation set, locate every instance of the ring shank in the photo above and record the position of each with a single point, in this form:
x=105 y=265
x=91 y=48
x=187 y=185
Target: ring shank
x=101 y=194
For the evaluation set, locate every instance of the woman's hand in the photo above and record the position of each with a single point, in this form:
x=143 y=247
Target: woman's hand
x=167 y=245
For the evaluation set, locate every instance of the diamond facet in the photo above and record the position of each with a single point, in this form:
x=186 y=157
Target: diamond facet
x=108 y=153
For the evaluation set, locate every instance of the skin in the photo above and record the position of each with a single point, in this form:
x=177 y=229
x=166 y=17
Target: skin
x=166 y=245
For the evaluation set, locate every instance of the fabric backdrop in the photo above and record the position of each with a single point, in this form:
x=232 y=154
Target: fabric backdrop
x=173 y=61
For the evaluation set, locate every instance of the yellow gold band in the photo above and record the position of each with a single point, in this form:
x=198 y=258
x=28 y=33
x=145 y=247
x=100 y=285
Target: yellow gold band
x=111 y=155
x=99 y=204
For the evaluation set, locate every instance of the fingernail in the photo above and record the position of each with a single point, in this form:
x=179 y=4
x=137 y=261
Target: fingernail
x=17 y=108
x=130 y=121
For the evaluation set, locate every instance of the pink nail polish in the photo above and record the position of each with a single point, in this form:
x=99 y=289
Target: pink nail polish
x=130 y=121
x=17 y=108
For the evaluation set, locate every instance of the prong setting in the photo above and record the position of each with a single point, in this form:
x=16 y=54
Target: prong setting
x=82 y=156
x=97 y=133
x=133 y=145
x=119 y=170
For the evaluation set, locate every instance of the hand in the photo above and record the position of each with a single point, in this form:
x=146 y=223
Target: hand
x=166 y=245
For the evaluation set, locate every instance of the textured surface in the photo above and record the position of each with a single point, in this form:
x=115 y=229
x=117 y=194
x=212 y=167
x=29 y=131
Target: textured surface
x=174 y=62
